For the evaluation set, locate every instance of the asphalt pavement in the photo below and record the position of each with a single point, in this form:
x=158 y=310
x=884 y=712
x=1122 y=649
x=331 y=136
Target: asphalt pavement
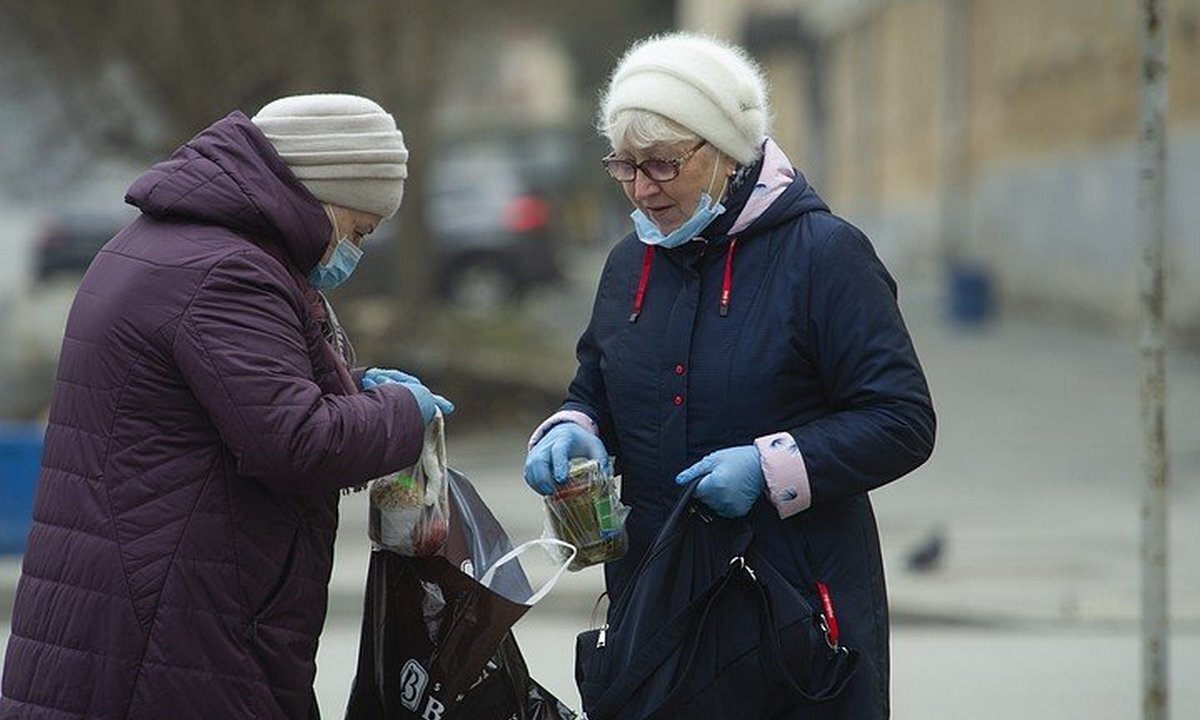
x=1028 y=605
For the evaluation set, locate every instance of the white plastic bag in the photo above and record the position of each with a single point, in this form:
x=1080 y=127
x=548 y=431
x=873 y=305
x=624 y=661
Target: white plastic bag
x=409 y=511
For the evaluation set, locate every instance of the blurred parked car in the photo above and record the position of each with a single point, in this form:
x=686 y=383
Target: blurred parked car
x=59 y=248
x=68 y=243
x=491 y=227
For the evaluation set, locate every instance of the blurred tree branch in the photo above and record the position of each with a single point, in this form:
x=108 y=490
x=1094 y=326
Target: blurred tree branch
x=193 y=62
x=139 y=77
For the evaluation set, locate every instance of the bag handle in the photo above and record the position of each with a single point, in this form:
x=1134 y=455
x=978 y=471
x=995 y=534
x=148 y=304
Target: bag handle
x=519 y=550
x=432 y=462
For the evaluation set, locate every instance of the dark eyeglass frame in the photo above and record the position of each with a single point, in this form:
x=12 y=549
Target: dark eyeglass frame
x=656 y=169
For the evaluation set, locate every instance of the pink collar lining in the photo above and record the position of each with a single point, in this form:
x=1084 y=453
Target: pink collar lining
x=777 y=173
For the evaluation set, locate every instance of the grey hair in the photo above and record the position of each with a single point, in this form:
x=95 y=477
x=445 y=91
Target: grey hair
x=636 y=129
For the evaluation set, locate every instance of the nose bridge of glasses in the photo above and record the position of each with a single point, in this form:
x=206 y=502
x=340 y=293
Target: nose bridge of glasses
x=644 y=185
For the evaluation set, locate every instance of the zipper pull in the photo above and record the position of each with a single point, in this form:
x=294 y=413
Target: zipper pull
x=600 y=639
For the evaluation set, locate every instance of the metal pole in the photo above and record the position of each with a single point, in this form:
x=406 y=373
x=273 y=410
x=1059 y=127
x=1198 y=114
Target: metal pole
x=955 y=142
x=1151 y=210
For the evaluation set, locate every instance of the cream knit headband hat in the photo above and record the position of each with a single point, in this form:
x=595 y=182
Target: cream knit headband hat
x=345 y=149
x=708 y=86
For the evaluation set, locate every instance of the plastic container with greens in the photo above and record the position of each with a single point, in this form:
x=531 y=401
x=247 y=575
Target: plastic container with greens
x=586 y=511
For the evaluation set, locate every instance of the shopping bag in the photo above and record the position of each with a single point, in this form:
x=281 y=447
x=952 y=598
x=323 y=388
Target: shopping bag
x=504 y=691
x=708 y=628
x=432 y=624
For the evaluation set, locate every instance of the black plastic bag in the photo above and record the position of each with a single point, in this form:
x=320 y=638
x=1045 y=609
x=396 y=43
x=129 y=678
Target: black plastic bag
x=506 y=692
x=435 y=642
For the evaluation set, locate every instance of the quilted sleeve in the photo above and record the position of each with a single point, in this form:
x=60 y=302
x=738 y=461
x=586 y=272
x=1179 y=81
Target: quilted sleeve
x=240 y=348
x=882 y=423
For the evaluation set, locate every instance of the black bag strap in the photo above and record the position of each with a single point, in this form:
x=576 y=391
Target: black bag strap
x=665 y=535
x=688 y=622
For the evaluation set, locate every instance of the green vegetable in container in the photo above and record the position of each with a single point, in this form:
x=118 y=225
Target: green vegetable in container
x=586 y=512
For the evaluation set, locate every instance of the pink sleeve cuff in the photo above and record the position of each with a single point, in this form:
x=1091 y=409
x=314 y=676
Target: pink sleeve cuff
x=787 y=477
x=562 y=416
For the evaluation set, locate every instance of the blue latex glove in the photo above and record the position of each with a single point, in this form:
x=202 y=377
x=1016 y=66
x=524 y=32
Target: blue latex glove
x=732 y=479
x=426 y=400
x=549 y=459
x=379 y=376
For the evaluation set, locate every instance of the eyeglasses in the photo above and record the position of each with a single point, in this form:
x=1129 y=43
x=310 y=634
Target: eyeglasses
x=656 y=169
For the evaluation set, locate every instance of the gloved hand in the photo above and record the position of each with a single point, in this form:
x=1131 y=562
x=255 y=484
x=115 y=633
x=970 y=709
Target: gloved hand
x=426 y=400
x=379 y=376
x=732 y=480
x=549 y=459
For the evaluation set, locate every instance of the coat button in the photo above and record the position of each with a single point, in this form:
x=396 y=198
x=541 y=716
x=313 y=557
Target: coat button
x=678 y=369
x=678 y=399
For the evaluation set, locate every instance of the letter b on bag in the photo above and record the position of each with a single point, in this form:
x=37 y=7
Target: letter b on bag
x=413 y=679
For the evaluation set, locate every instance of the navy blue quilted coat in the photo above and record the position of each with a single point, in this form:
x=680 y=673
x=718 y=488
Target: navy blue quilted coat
x=813 y=344
x=200 y=431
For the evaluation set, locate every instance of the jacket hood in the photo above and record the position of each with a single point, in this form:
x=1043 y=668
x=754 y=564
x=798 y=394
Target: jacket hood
x=797 y=199
x=230 y=175
x=774 y=193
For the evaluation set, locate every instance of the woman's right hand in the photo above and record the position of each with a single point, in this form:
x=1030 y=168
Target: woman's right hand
x=549 y=459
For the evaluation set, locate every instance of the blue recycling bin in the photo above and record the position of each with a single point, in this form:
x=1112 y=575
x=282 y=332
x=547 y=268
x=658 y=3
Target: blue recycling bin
x=20 y=462
x=971 y=296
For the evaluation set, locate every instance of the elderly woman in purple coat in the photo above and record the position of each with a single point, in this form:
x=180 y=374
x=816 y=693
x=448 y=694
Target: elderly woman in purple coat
x=205 y=417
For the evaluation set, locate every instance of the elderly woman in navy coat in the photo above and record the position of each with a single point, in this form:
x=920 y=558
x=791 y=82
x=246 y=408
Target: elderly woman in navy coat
x=745 y=335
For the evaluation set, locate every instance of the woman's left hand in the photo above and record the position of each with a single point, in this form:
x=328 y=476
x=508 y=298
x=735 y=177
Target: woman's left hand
x=426 y=399
x=731 y=480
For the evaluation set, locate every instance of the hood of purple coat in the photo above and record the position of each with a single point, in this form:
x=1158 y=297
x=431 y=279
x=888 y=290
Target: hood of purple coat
x=231 y=176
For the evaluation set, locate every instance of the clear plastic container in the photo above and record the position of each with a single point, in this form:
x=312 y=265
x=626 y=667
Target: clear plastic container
x=586 y=511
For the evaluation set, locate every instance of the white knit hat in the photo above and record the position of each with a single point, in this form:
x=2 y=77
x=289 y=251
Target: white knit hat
x=345 y=149
x=708 y=86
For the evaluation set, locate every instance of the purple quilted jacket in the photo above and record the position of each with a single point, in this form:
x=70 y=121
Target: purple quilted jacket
x=200 y=431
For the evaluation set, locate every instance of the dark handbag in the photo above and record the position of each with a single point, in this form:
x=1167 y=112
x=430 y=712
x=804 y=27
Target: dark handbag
x=708 y=628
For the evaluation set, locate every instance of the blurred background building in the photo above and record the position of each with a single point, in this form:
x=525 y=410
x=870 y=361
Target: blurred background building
x=992 y=135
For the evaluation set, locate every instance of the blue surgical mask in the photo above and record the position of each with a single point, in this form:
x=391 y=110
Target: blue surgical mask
x=648 y=232
x=338 y=268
